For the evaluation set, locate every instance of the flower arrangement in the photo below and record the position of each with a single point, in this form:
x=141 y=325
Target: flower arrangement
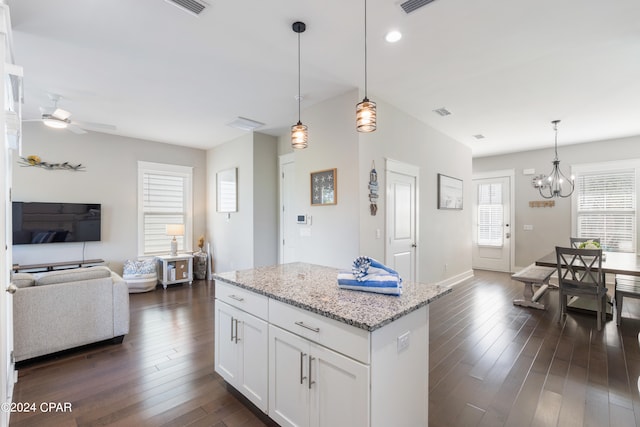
x=201 y=242
x=589 y=244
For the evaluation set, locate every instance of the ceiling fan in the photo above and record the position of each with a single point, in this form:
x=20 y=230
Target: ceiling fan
x=58 y=118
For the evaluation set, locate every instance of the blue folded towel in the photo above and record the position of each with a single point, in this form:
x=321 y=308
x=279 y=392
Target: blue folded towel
x=362 y=264
x=388 y=284
x=369 y=275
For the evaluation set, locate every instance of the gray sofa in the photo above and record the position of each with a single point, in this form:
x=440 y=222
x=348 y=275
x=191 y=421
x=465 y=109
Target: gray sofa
x=59 y=310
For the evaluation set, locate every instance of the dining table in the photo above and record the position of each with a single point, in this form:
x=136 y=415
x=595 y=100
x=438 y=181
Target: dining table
x=627 y=263
x=612 y=262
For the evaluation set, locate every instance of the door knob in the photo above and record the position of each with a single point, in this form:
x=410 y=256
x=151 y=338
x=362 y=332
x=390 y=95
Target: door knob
x=413 y=245
x=12 y=288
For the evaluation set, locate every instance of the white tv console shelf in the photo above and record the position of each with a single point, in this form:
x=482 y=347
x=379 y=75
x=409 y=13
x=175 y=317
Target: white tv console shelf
x=56 y=265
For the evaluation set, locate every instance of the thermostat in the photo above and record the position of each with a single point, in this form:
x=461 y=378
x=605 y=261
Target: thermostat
x=301 y=219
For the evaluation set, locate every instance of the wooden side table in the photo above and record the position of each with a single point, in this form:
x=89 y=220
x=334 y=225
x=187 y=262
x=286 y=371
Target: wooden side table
x=175 y=269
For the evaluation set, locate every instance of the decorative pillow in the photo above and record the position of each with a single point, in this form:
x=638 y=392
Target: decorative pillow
x=23 y=280
x=73 y=275
x=145 y=266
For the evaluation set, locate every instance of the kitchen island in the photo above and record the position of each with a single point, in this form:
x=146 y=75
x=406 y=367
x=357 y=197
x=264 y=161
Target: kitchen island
x=308 y=353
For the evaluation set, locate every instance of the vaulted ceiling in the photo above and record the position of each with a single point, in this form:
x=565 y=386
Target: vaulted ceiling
x=504 y=69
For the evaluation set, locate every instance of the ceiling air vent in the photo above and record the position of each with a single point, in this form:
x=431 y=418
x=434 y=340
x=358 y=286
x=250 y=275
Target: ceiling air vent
x=192 y=6
x=442 y=112
x=245 y=124
x=412 y=5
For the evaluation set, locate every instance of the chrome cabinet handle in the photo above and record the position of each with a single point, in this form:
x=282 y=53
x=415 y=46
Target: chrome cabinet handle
x=311 y=328
x=237 y=339
x=235 y=297
x=302 y=377
x=232 y=329
x=311 y=359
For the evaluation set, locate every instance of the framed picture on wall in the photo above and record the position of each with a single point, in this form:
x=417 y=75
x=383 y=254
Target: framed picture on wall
x=324 y=187
x=227 y=190
x=449 y=192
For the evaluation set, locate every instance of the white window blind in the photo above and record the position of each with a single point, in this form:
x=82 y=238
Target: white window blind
x=165 y=198
x=606 y=208
x=490 y=215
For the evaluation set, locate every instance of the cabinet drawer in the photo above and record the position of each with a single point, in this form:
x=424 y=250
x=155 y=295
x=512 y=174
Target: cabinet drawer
x=251 y=302
x=338 y=336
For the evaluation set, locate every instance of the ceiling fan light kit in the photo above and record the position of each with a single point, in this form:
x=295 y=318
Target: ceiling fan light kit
x=54 y=122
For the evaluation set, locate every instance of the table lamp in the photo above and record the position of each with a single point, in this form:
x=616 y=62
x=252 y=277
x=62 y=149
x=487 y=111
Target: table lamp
x=174 y=230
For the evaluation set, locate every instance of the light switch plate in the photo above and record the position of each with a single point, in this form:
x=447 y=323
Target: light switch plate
x=403 y=341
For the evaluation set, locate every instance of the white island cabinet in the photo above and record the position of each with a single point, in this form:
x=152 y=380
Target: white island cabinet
x=241 y=342
x=331 y=357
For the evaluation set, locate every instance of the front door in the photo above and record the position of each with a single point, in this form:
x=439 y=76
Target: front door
x=492 y=224
x=402 y=225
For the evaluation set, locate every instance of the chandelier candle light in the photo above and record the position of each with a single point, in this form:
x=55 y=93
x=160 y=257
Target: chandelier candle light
x=299 y=131
x=553 y=184
x=365 y=110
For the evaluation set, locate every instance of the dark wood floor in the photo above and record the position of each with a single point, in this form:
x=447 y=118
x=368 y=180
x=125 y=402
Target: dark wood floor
x=491 y=364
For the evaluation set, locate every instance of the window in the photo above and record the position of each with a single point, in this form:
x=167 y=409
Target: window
x=490 y=214
x=605 y=204
x=164 y=197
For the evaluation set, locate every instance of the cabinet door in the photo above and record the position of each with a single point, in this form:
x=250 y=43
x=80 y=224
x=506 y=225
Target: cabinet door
x=288 y=378
x=254 y=346
x=339 y=391
x=227 y=352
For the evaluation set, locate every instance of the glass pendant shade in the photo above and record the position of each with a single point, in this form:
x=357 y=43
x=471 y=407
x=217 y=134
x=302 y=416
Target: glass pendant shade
x=299 y=136
x=366 y=116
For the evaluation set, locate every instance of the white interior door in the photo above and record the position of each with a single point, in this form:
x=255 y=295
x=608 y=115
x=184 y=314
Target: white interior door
x=402 y=219
x=287 y=214
x=492 y=230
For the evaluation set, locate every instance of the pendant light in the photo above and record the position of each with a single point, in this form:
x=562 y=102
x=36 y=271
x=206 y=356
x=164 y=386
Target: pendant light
x=552 y=186
x=299 y=131
x=365 y=110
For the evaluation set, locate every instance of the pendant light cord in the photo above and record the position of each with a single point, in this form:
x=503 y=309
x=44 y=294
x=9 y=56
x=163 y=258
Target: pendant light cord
x=555 y=128
x=365 y=49
x=299 y=78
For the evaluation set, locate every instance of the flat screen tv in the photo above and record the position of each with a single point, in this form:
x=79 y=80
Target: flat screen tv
x=39 y=222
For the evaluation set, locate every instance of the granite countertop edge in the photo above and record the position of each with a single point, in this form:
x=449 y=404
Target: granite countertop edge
x=444 y=290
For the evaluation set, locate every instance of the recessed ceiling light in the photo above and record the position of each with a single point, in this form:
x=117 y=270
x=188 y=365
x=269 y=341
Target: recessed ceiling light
x=393 y=36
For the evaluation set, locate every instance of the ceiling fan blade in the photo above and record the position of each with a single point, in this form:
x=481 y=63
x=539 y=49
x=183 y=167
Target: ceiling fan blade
x=61 y=114
x=76 y=129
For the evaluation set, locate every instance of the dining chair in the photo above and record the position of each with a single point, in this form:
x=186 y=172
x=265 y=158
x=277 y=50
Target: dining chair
x=575 y=241
x=579 y=275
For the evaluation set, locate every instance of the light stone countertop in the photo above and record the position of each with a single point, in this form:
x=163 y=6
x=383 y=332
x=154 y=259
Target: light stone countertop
x=315 y=288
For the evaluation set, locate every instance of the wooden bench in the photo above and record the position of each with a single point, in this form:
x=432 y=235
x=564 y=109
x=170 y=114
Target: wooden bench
x=626 y=286
x=533 y=275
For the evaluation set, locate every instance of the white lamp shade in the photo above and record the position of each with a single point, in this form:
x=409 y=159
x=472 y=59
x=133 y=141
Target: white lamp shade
x=175 y=229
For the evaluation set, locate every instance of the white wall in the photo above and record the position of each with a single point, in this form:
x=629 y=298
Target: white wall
x=551 y=226
x=444 y=235
x=110 y=178
x=341 y=232
x=333 y=143
x=265 y=200
x=246 y=238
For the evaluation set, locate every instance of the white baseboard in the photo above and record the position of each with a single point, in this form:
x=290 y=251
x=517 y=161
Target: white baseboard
x=458 y=278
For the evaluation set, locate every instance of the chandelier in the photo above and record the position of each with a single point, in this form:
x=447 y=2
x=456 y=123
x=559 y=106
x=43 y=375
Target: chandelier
x=556 y=183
